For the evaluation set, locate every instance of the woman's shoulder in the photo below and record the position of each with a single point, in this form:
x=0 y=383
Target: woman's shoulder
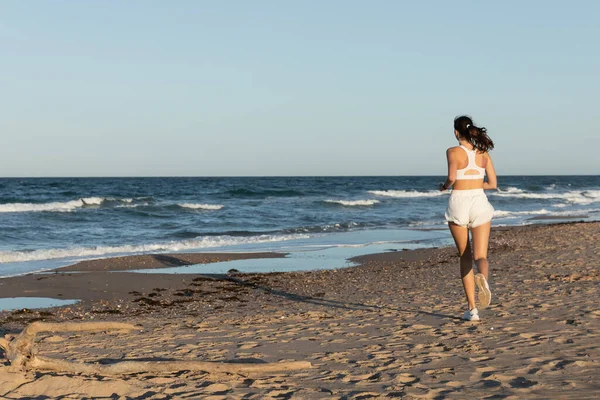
x=452 y=152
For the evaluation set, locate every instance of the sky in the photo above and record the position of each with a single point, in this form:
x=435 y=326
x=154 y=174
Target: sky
x=336 y=87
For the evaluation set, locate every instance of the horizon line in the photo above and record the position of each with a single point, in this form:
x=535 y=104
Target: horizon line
x=260 y=176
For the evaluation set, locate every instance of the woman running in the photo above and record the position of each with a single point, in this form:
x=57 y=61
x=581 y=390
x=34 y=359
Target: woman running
x=469 y=209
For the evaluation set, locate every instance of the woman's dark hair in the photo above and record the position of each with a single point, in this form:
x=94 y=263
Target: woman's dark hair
x=473 y=134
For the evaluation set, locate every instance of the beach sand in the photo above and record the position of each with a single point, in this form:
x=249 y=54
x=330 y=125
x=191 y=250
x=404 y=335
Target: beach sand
x=388 y=328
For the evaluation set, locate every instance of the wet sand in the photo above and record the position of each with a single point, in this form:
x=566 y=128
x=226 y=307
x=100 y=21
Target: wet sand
x=387 y=328
x=153 y=261
x=103 y=280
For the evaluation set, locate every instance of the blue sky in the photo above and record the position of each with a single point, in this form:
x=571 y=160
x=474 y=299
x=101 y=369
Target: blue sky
x=203 y=88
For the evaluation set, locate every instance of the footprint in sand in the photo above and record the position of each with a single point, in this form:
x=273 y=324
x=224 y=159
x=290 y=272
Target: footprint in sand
x=488 y=384
x=406 y=379
x=363 y=395
x=453 y=384
x=439 y=371
x=562 y=340
x=217 y=388
x=248 y=345
x=521 y=383
x=482 y=372
x=364 y=378
x=280 y=394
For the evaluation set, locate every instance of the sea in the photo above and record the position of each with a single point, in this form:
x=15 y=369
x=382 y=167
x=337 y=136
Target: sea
x=46 y=223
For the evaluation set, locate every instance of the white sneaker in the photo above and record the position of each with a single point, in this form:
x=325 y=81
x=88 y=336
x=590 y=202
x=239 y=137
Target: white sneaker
x=484 y=295
x=471 y=315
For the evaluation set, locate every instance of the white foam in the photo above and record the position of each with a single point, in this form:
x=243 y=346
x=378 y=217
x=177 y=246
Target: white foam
x=352 y=203
x=32 y=207
x=543 y=211
x=65 y=206
x=329 y=227
x=131 y=205
x=89 y=252
x=407 y=193
x=93 y=201
x=574 y=196
x=195 y=206
x=515 y=214
x=510 y=189
x=428 y=223
x=593 y=194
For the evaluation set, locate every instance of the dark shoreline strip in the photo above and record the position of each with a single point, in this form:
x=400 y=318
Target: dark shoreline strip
x=155 y=261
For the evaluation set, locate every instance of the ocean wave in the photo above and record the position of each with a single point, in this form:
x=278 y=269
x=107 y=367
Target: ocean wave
x=543 y=211
x=327 y=228
x=185 y=233
x=510 y=189
x=407 y=193
x=93 y=201
x=191 y=233
x=264 y=193
x=195 y=206
x=431 y=222
x=32 y=207
x=56 y=206
x=129 y=205
x=574 y=196
x=516 y=214
x=100 y=251
x=351 y=203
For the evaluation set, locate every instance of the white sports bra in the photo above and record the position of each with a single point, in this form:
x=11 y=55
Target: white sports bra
x=472 y=167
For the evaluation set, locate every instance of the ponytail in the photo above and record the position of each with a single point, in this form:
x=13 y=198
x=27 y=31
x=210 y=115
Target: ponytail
x=475 y=135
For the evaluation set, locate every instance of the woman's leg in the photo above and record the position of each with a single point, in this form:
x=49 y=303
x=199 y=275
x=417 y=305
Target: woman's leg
x=461 y=238
x=481 y=238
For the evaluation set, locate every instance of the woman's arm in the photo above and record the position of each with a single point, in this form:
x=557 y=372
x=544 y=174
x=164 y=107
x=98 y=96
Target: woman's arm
x=492 y=182
x=452 y=166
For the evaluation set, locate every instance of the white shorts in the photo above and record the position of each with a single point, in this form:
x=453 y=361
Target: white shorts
x=469 y=208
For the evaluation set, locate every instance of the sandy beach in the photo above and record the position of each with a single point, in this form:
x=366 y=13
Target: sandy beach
x=264 y=200
x=389 y=327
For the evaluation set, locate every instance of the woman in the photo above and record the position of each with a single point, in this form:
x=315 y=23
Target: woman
x=469 y=209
